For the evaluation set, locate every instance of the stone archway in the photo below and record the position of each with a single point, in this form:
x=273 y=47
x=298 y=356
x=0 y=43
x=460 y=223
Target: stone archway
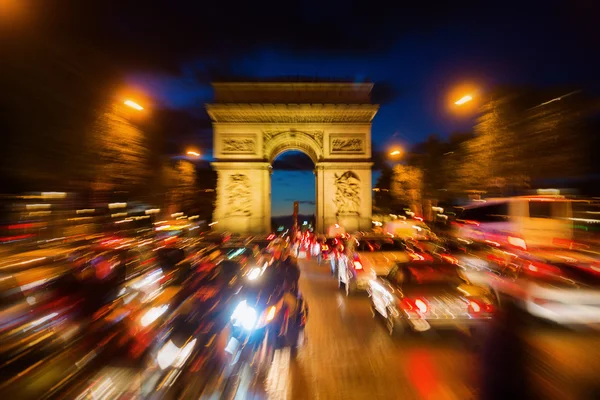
x=253 y=123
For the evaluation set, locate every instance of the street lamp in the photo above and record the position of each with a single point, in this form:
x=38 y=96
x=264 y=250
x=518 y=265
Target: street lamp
x=193 y=153
x=396 y=152
x=133 y=104
x=463 y=100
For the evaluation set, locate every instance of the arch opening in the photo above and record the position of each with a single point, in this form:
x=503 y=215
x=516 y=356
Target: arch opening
x=293 y=179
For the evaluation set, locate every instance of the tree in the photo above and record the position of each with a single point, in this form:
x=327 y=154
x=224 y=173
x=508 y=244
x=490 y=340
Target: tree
x=383 y=200
x=407 y=184
x=556 y=139
x=438 y=160
x=491 y=161
x=185 y=191
x=118 y=152
x=50 y=89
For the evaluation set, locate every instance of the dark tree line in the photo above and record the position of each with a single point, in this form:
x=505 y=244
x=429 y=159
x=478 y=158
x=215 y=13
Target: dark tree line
x=64 y=127
x=523 y=139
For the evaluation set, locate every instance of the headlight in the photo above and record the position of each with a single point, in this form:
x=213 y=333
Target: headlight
x=171 y=355
x=270 y=314
x=254 y=274
x=244 y=316
x=152 y=315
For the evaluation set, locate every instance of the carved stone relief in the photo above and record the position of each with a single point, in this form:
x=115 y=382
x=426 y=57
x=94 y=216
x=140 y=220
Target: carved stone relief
x=347 y=194
x=238 y=145
x=317 y=135
x=239 y=195
x=347 y=145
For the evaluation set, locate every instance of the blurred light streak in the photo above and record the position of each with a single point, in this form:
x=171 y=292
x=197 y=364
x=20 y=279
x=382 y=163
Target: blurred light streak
x=38 y=206
x=463 y=100
x=39 y=213
x=421 y=372
x=133 y=104
x=54 y=195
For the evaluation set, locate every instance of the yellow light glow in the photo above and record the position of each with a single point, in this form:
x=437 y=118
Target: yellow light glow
x=463 y=100
x=395 y=153
x=53 y=195
x=133 y=104
x=193 y=153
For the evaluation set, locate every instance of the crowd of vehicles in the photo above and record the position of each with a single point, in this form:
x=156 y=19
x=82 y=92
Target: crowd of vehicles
x=197 y=315
x=505 y=254
x=76 y=318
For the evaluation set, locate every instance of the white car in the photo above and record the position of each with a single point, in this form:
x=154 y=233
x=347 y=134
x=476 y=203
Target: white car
x=367 y=258
x=565 y=294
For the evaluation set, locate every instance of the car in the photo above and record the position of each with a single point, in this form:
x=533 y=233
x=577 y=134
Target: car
x=422 y=295
x=552 y=289
x=522 y=221
x=367 y=257
x=479 y=259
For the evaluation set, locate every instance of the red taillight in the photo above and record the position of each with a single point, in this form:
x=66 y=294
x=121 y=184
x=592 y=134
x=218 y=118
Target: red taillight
x=468 y=222
x=477 y=307
x=358 y=266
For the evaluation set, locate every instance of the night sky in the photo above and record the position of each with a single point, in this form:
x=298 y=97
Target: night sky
x=415 y=55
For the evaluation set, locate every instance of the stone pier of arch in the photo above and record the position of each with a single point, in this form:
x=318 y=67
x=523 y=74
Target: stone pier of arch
x=253 y=123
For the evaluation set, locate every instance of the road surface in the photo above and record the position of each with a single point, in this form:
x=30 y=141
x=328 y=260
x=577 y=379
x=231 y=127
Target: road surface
x=350 y=355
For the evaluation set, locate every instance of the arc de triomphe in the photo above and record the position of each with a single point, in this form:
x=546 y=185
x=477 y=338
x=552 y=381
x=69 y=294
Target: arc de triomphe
x=253 y=123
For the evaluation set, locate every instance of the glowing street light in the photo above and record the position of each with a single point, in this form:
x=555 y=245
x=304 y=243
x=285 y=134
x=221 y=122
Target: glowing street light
x=463 y=100
x=134 y=105
x=193 y=153
x=396 y=152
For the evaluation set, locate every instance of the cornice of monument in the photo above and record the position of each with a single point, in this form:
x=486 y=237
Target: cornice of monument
x=241 y=112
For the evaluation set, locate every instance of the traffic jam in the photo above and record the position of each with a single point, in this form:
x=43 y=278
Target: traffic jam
x=172 y=312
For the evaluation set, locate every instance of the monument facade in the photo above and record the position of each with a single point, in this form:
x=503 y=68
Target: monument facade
x=253 y=123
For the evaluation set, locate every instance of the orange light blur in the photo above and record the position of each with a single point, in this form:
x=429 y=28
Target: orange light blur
x=133 y=104
x=193 y=153
x=463 y=100
x=396 y=152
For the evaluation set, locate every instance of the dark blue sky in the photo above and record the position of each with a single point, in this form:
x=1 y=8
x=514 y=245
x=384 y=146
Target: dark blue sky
x=417 y=53
x=421 y=67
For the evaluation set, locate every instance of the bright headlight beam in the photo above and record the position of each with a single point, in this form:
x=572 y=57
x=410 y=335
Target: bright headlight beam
x=254 y=274
x=244 y=316
x=152 y=315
